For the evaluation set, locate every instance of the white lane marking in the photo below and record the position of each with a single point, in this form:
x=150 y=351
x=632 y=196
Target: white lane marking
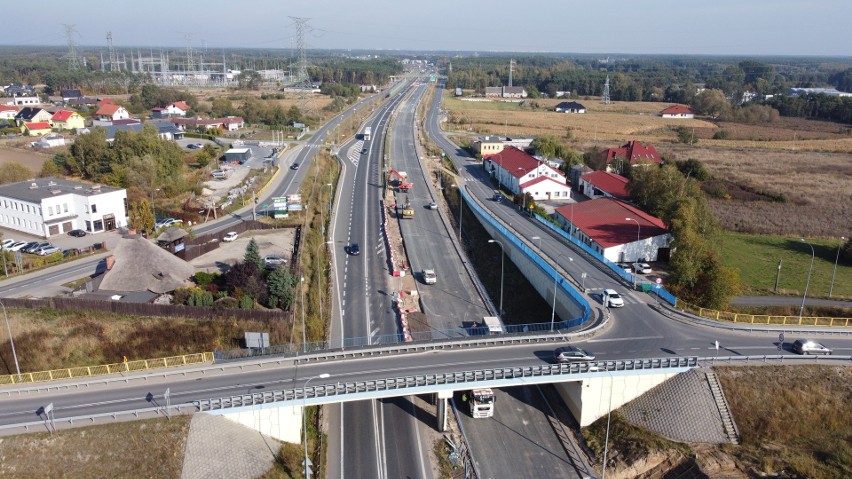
x=622 y=339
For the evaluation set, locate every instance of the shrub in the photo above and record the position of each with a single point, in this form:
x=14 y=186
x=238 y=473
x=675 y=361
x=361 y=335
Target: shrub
x=721 y=135
x=203 y=278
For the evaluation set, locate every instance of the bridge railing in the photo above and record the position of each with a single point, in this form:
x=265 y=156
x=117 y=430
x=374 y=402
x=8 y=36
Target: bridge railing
x=764 y=318
x=464 y=380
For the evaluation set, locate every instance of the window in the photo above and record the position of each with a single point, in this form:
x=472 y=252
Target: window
x=65 y=207
x=88 y=226
x=94 y=208
x=98 y=225
x=49 y=211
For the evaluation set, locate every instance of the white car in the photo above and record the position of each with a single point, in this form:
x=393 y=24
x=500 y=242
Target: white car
x=642 y=268
x=611 y=299
x=7 y=242
x=17 y=246
x=230 y=236
x=429 y=276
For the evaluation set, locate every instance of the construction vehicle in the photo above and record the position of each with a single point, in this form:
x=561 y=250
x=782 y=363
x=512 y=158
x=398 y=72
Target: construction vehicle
x=481 y=403
x=407 y=210
x=401 y=183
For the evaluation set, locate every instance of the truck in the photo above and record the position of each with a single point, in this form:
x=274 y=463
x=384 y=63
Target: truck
x=481 y=403
x=368 y=131
x=494 y=325
x=407 y=210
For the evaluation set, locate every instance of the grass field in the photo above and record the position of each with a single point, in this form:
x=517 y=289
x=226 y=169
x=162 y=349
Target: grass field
x=756 y=258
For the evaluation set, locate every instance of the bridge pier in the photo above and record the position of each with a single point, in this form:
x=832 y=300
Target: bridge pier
x=280 y=422
x=443 y=417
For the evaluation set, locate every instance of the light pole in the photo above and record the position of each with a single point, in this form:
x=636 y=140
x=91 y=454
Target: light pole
x=638 y=234
x=808 y=283
x=304 y=335
x=834 y=273
x=11 y=342
x=555 y=277
x=502 y=263
x=305 y=414
x=154 y=210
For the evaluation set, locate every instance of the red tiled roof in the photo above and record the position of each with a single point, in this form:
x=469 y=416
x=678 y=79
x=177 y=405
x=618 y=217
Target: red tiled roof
x=540 y=179
x=106 y=101
x=156 y=108
x=603 y=220
x=62 y=115
x=179 y=104
x=40 y=125
x=8 y=108
x=677 y=110
x=232 y=119
x=108 y=109
x=517 y=162
x=637 y=152
x=616 y=185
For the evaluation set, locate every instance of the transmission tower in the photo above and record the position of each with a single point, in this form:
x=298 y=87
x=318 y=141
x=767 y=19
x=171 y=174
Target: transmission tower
x=73 y=58
x=190 y=61
x=303 y=81
x=113 y=60
x=511 y=69
x=605 y=97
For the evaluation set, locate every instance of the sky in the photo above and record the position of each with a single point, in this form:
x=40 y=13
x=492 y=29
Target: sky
x=718 y=27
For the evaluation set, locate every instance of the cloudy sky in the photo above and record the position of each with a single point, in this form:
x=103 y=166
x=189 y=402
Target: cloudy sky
x=728 y=27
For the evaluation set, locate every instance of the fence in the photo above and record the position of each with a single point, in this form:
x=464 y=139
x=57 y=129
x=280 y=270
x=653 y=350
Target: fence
x=146 y=309
x=661 y=292
x=124 y=367
x=764 y=318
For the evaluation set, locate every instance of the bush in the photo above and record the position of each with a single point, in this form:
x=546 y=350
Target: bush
x=721 y=135
x=203 y=278
x=246 y=302
x=686 y=135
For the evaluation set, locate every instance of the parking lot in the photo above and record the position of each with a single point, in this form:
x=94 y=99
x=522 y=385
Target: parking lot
x=278 y=242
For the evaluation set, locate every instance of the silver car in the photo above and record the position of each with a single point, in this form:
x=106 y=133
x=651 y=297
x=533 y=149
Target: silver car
x=568 y=354
x=806 y=346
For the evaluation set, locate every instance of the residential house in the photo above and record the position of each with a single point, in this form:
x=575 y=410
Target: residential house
x=618 y=231
x=112 y=130
x=494 y=91
x=24 y=100
x=177 y=108
x=603 y=184
x=521 y=173
x=52 y=206
x=17 y=90
x=514 y=92
x=167 y=130
x=230 y=123
x=67 y=120
x=8 y=112
x=32 y=115
x=632 y=151
x=158 y=112
x=83 y=102
x=110 y=112
x=36 y=128
x=487 y=145
x=570 y=107
x=70 y=94
x=678 y=111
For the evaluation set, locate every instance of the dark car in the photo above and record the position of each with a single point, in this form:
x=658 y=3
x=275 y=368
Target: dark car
x=77 y=233
x=567 y=354
x=354 y=249
x=294 y=166
x=34 y=246
x=363 y=151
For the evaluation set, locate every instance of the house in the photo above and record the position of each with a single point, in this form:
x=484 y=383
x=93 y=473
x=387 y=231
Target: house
x=678 y=111
x=8 y=112
x=36 y=128
x=158 y=112
x=233 y=123
x=603 y=225
x=167 y=131
x=51 y=206
x=487 y=145
x=494 y=91
x=239 y=155
x=636 y=152
x=32 y=115
x=230 y=123
x=111 y=112
x=603 y=184
x=71 y=94
x=178 y=108
x=67 y=120
x=25 y=100
x=49 y=141
x=83 y=102
x=514 y=92
x=17 y=90
x=138 y=265
x=570 y=107
x=522 y=173
x=112 y=130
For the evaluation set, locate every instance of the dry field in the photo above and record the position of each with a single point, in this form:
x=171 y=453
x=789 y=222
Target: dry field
x=26 y=156
x=806 y=161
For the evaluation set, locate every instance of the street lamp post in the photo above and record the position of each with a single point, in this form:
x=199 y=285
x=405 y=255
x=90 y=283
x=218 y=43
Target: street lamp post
x=638 y=234
x=834 y=273
x=153 y=209
x=304 y=414
x=808 y=282
x=502 y=264
x=304 y=335
x=555 y=277
x=11 y=342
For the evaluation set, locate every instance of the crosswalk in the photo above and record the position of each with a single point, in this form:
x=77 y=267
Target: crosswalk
x=354 y=153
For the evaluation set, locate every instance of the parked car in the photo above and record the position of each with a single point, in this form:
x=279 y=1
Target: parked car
x=567 y=354
x=429 y=276
x=806 y=346
x=194 y=146
x=230 y=236
x=219 y=174
x=17 y=246
x=353 y=249
x=626 y=267
x=642 y=268
x=77 y=233
x=166 y=222
x=272 y=261
x=47 y=250
x=433 y=206
x=363 y=151
x=611 y=299
x=35 y=245
x=294 y=166
x=7 y=242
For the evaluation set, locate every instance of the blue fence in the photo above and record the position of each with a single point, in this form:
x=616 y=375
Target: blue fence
x=660 y=291
x=580 y=301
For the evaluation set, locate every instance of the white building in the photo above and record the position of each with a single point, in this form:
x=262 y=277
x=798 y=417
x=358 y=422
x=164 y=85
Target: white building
x=53 y=206
x=521 y=173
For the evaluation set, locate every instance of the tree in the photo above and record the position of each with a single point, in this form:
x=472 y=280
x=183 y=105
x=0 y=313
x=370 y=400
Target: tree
x=141 y=215
x=711 y=102
x=686 y=135
x=281 y=288
x=13 y=172
x=252 y=256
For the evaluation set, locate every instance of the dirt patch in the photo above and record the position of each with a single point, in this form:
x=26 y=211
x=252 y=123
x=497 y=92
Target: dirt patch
x=279 y=241
x=30 y=158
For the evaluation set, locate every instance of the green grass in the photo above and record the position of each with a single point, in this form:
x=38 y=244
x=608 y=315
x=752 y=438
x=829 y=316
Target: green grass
x=756 y=258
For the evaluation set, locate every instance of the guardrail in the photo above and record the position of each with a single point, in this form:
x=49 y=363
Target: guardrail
x=464 y=380
x=764 y=318
x=53 y=424
x=124 y=367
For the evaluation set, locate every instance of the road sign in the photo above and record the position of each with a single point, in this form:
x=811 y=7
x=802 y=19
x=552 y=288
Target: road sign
x=780 y=337
x=659 y=280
